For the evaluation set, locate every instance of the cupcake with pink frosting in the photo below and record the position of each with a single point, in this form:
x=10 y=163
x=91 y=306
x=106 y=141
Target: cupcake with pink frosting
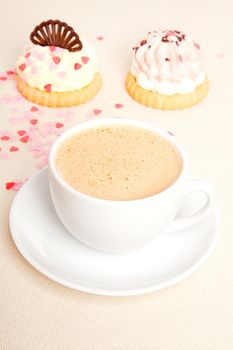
x=167 y=71
x=58 y=69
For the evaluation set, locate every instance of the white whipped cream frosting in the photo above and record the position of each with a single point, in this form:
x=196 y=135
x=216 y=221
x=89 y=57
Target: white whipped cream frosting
x=55 y=69
x=168 y=62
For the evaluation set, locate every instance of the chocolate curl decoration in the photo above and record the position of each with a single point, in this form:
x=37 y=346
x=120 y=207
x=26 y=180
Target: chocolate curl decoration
x=56 y=33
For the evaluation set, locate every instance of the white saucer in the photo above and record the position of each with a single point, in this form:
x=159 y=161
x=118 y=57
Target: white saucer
x=45 y=243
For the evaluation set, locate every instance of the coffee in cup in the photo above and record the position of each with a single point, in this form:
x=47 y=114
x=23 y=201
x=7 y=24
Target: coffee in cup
x=118 y=162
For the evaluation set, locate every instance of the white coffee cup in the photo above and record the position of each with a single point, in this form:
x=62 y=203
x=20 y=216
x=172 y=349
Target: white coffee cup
x=119 y=226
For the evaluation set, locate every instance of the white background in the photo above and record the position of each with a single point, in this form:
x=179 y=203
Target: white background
x=195 y=314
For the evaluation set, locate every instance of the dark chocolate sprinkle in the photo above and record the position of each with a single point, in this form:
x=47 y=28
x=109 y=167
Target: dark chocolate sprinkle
x=143 y=42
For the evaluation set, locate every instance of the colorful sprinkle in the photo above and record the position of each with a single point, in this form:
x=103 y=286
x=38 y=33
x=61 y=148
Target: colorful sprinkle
x=118 y=105
x=100 y=38
x=27 y=55
x=3 y=78
x=85 y=59
x=22 y=66
x=77 y=66
x=48 y=87
x=33 y=121
x=97 y=111
x=197 y=46
x=56 y=59
x=59 y=125
x=34 y=109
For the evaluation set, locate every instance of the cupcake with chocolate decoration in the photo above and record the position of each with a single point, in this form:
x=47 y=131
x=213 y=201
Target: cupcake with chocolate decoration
x=167 y=71
x=58 y=69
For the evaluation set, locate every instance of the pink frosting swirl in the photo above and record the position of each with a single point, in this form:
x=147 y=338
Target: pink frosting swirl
x=168 y=62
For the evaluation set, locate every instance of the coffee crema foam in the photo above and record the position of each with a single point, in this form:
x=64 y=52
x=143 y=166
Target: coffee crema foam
x=118 y=162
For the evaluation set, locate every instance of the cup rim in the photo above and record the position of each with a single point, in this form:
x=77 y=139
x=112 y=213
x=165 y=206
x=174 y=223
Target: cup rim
x=115 y=121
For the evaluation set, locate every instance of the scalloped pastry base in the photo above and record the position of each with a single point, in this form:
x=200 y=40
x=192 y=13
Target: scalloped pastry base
x=159 y=101
x=60 y=99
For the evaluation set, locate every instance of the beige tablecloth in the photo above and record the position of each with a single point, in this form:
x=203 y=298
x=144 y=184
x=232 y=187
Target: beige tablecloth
x=197 y=313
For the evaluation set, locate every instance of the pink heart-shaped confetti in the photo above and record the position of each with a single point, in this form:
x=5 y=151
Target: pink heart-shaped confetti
x=21 y=132
x=4 y=156
x=14 y=120
x=27 y=55
x=85 y=59
x=42 y=163
x=14 y=149
x=22 y=66
x=48 y=87
x=77 y=66
x=37 y=154
x=118 y=105
x=34 y=109
x=59 y=125
x=97 y=111
x=10 y=72
x=5 y=138
x=17 y=185
x=56 y=59
x=33 y=121
x=52 y=48
x=9 y=185
x=3 y=78
x=24 y=138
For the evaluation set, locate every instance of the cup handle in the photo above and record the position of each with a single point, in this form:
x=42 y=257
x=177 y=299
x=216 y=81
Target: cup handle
x=191 y=186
